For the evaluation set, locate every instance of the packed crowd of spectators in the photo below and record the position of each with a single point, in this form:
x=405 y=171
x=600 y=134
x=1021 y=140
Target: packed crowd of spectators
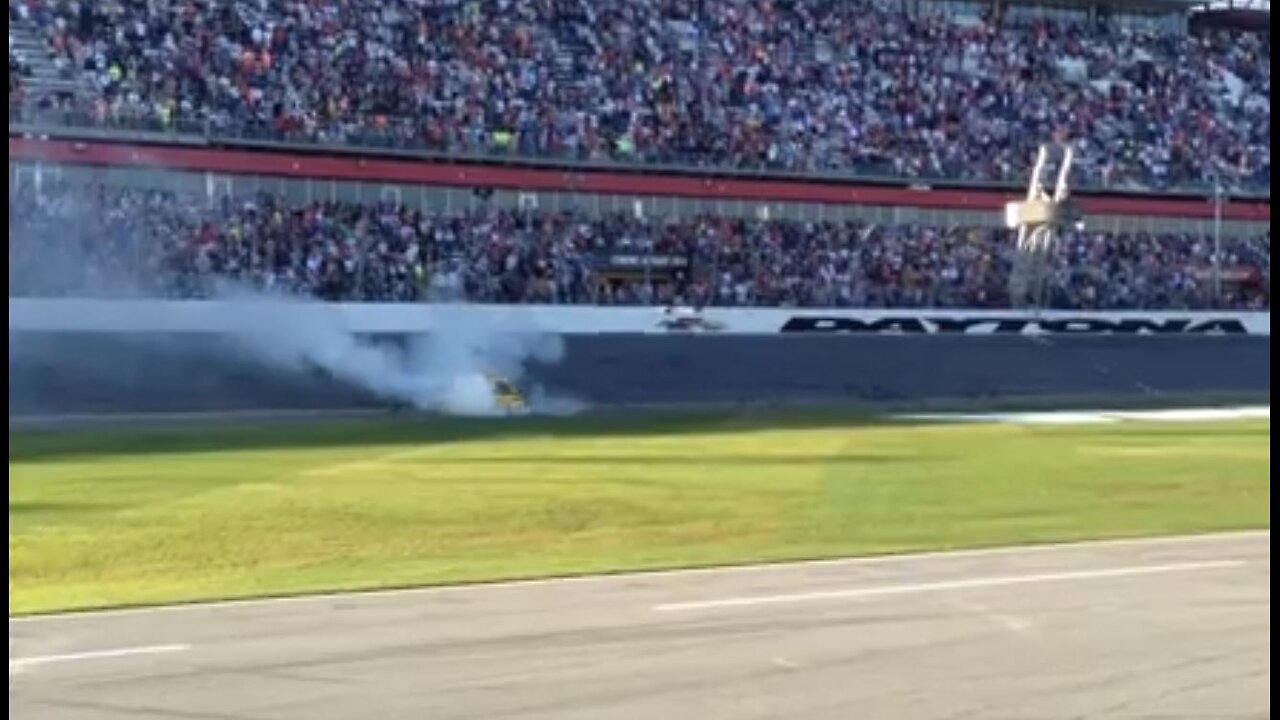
x=119 y=242
x=798 y=85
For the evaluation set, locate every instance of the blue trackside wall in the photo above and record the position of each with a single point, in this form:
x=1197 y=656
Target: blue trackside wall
x=83 y=372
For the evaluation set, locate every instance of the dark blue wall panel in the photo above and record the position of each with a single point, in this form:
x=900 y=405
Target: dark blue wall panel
x=55 y=373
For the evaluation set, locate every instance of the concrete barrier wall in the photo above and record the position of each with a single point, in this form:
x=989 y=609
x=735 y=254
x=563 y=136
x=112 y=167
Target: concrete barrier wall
x=84 y=372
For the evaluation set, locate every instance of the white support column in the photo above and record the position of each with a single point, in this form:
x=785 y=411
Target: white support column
x=1037 y=220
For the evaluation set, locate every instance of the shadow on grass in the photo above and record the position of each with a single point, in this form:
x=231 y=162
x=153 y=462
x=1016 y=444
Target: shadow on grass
x=50 y=444
x=56 y=508
x=747 y=458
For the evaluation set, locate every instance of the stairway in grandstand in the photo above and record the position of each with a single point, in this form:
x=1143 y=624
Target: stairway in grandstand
x=45 y=78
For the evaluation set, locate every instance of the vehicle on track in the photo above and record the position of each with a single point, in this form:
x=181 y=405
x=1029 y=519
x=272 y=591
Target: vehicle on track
x=506 y=396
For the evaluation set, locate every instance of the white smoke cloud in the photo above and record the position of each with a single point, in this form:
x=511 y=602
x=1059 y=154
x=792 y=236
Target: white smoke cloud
x=60 y=253
x=444 y=370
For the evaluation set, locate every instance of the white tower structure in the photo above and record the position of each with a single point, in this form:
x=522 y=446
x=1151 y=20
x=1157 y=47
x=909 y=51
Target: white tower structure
x=1037 y=220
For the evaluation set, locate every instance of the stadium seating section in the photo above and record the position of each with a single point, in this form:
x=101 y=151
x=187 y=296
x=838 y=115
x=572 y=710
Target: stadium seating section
x=791 y=85
x=109 y=242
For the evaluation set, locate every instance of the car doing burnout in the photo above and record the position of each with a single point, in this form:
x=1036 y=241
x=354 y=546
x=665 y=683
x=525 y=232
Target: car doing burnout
x=505 y=394
x=507 y=397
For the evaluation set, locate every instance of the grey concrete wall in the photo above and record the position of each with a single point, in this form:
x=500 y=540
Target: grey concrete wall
x=80 y=373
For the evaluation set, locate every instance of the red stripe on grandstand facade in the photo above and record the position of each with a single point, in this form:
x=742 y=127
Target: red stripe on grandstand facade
x=422 y=172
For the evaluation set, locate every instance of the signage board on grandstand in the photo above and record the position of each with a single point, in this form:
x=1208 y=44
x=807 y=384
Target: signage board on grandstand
x=636 y=260
x=68 y=315
x=1020 y=324
x=640 y=264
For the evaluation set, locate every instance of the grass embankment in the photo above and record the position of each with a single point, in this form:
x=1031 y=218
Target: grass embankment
x=140 y=516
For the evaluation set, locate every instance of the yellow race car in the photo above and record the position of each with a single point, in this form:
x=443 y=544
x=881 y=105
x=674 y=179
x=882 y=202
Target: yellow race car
x=505 y=394
x=507 y=398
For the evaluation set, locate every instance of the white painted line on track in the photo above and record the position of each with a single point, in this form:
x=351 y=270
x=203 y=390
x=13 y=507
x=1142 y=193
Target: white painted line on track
x=943 y=585
x=905 y=557
x=26 y=662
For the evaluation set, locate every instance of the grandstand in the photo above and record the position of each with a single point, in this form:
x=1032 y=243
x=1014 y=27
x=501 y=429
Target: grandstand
x=682 y=83
x=713 y=282
x=844 y=142
x=175 y=245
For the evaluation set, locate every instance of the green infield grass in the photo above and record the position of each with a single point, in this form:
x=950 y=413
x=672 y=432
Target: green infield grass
x=132 y=516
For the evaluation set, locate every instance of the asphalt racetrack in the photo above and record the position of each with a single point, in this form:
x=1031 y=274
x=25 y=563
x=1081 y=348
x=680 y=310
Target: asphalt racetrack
x=1166 y=628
